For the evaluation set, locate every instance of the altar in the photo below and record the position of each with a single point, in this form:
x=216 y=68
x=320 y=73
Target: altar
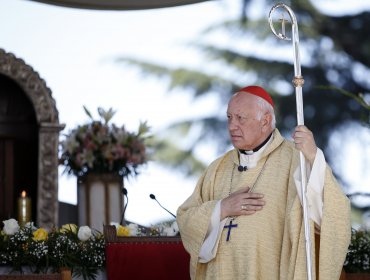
x=145 y=257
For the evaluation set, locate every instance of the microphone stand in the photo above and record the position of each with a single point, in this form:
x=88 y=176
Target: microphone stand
x=298 y=82
x=152 y=196
x=124 y=191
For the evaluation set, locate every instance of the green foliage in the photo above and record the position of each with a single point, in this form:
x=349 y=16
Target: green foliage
x=359 y=98
x=45 y=252
x=358 y=256
x=184 y=160
x=332 y=47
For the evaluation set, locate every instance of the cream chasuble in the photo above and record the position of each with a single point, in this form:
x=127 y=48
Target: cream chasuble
x=269 y=244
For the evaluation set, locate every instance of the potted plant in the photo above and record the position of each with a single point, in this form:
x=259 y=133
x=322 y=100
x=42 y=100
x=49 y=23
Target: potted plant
x=357 y=263
x=28 y=249
x=101 y=154
x=99 y=147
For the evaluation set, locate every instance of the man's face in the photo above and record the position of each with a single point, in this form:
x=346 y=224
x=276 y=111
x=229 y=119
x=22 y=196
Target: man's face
x=245 y=129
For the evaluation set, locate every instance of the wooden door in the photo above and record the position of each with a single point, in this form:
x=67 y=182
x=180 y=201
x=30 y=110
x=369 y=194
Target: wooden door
x=18 y=149
x=6 y=178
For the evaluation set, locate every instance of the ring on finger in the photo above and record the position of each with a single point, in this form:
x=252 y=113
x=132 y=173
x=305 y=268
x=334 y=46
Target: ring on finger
x=244 y=207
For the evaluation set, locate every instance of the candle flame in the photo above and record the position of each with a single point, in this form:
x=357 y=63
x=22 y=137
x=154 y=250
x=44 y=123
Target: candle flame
x=23 y=194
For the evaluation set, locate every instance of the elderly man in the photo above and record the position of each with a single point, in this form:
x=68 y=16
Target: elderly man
x=244 y=218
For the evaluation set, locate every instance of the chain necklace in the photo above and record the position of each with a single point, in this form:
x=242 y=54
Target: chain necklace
x=255 y=182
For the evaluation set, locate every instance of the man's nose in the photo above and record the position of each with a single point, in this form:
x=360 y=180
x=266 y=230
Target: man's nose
x=232 y=125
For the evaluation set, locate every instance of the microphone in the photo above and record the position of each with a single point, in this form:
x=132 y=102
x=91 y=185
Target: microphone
x=124 y=191
x=152 y=196
x=242 y=168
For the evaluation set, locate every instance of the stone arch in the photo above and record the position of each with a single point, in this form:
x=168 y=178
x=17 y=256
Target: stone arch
x=49 y=127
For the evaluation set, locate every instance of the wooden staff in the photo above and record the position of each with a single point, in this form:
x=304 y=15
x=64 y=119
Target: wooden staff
x=298 y=84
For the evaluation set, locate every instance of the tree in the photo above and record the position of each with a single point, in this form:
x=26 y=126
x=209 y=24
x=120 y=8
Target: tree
x=335 y=51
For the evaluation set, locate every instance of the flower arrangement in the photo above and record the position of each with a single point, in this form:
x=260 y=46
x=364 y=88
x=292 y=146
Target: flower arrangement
x=358 y=256
x=101 y=147
x=80 y=249
x=169 y=228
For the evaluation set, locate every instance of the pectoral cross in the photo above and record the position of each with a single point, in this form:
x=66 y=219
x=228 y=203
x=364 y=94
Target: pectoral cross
x=229 y=228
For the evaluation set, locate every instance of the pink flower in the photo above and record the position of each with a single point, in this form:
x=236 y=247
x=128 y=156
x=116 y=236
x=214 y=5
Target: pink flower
x=101 y=147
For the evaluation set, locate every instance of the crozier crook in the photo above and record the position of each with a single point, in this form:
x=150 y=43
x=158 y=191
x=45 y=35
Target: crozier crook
x=298 y=84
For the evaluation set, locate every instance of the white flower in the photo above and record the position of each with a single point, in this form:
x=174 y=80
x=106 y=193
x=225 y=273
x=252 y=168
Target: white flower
x=71 y=144
x=175 y=226
x=134 y=229
x=170 y=230
x=10 y=226
x=30 y=225
x=84 y=233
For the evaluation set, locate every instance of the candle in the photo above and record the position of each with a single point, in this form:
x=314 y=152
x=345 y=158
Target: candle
x=24 y=209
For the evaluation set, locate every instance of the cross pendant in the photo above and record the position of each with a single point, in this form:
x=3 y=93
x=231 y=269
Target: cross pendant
x=229 y=228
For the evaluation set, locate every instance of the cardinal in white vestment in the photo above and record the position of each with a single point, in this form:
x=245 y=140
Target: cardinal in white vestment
x=244 y=219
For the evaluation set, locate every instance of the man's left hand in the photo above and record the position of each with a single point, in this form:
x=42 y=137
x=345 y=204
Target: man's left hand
x=305 y=142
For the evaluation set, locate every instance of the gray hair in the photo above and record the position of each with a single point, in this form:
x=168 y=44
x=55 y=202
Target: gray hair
x=265 y=106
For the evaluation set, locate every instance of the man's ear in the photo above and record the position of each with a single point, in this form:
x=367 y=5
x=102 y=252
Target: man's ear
x=266 y=121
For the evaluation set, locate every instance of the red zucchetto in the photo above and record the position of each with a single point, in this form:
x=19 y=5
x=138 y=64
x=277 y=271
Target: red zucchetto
x=258 y=91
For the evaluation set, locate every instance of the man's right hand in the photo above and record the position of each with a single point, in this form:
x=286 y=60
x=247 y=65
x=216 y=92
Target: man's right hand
x=241 y=202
